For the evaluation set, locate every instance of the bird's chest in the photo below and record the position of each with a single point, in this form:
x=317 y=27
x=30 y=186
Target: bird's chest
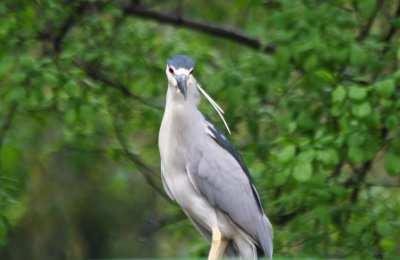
x=175 y=150
x=179 y=135
x=172 y=150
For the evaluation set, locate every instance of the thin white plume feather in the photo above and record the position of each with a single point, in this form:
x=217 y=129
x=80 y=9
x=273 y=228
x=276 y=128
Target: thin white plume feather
x=215 y=106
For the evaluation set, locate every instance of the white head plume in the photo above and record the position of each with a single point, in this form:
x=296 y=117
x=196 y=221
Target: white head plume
x=215 y=106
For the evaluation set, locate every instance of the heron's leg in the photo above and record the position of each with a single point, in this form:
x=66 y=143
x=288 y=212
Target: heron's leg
x=221 y=251
x=215 y=244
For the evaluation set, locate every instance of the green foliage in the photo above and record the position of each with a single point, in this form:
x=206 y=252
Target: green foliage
x=317 y=122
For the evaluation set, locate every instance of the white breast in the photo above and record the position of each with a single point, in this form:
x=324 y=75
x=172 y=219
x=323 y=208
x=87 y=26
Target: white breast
x=173 y=144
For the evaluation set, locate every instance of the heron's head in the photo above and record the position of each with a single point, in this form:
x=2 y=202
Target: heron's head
x=179 y=72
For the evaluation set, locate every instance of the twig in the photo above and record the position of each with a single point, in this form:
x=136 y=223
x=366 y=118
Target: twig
x=283 y=217
x=362 y=173
x=56 y=35
x=378 y=253
x=70 y=21
x=393 y=28
x=384 y=185
x=365 y=31
x=215 y=30
x=7 y=122
x=98 y=76
x=146 y=171
x=157 y=224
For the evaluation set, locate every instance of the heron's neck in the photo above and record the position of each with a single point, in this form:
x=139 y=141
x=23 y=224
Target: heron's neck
x=176 y=98
x=181 y=114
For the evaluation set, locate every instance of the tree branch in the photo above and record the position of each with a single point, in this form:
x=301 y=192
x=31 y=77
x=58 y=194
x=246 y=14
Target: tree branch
x=199 y=26
x=362 y=173
x=283 y=216
x=157 y=224
x=56 y=35
x=98 y=76
x=69 y=22
x=146 y=171
x=393 y=28
x=7 y=122
x=365 y=31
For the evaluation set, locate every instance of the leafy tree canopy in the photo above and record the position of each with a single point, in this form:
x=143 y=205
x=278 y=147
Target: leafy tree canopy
x=310 y=89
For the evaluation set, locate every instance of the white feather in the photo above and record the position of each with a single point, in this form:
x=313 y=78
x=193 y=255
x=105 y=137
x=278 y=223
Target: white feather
x=215 y=106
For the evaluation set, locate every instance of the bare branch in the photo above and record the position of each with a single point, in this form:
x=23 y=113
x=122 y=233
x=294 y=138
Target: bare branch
x=361 y=174
x=56 y=35
x=98 y=76
x=7 y=122
x=215 y=30
x=393 y=28
x=384 y=185
x=365 y=31
x=68 y=24
x=145 y=170
x=157 y=224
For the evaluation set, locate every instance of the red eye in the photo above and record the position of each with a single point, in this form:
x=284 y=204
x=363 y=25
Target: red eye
x=191 y=72
x=171 y=70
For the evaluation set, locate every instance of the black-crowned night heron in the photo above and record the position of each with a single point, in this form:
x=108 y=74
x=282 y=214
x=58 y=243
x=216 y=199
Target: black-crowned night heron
x=204 y=173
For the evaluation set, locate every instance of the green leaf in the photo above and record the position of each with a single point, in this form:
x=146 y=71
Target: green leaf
x=386 y=102
x=392 y=163
x=18 y=94
x=311 y=63
x=398 y=58
x=253 y=127
x=306 y=155
x=19 y=77
x=323 y=214
x=234 y=96
x=287 y=153
x=356 y=154
x=241 y=4
x=385 y=88
x=6 y=64
x=383 y=228
x=339 y=94
x=355 y=139
x=357 y=227
x=70 y=116
x=357 y=93
x=358 y=57
x=392 y=121
x=325 y=76
x=9 y=157
x=305 y=120
x=328 y=157
x=374 y=118
x=28 y=62
x=361 y=110
x=367 y=8
x=281 y=176
x=282 y=57
x=302 y=171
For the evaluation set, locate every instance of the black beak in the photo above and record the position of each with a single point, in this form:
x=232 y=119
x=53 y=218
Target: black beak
x=182 y=81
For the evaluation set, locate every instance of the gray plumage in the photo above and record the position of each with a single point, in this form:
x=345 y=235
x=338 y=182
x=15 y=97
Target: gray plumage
x=181 y=61
x=205 y=174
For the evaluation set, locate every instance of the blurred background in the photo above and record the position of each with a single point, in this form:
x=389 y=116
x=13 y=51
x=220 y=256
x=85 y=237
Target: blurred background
x=310 y=90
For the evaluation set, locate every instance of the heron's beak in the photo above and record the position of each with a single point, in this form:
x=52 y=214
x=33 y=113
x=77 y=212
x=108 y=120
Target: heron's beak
x=182 y=81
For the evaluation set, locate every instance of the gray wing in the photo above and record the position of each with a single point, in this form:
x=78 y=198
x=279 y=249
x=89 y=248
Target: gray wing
x=222 y=141
x=220 y=174
x=230 y=251
x=164 y=182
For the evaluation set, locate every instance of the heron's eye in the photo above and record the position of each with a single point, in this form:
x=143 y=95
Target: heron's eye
x=171 y=70
x=191 y=72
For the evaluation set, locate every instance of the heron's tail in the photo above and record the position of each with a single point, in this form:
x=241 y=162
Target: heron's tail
x=264 y=234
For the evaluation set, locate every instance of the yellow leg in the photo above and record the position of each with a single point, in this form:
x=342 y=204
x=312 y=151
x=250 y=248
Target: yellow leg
x=215 y=244
x=221 y=251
